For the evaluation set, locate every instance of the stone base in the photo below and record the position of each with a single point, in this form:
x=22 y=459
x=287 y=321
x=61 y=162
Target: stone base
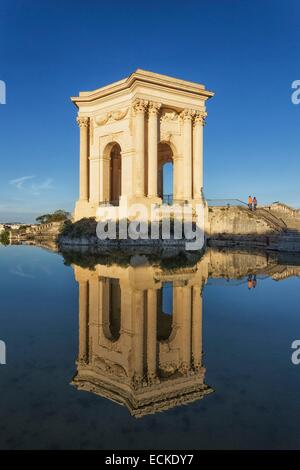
x=89 y=209
x=84 y=209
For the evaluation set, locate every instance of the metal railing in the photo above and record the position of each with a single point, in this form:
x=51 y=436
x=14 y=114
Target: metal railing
x=261 y=211
x=168 y=199
x=226 y=202
x=109 y=202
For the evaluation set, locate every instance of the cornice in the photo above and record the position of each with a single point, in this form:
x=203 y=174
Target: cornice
x=145 y=78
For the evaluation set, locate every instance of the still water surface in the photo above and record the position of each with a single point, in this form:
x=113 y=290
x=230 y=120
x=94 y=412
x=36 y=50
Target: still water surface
x=135 y=335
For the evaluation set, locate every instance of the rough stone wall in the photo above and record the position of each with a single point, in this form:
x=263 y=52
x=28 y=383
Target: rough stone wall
x=289 y=215
x=52 y=228
x=235 y=264
x=237 y=221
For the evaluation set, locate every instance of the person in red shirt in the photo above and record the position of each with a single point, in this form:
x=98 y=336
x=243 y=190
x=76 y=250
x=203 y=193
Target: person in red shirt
x=254 y=203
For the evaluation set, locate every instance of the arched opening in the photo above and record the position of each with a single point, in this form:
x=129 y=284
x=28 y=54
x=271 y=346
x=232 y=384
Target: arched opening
x=114 y=308
x=165 y=311
x=115 y=174
x=165 y=172
x=111 y=305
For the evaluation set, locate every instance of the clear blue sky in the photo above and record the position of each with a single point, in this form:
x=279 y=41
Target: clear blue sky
x=248 y=52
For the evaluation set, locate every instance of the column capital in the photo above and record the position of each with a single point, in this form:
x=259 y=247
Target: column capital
x=154 y=108
x=82 y=121
x=187 y=114
x=140 y=106
x=199 y=118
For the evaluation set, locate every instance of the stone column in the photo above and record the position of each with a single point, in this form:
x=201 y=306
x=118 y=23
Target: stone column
x=152 y=149
x=197 y=328
x=126 y=173
x=140 y=108
x=187 y=116
x=104 y=190
x=151 y=333
x=178 y=179
x=94 y=179
x=83 y=321
x=199 y=122
x=83 y=123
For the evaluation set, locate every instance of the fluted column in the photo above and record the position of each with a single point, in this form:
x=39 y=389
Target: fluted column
x=104 y=188
x=199 y=122
x=178 y=180
x=83 y=123
x=139 y=109
x=83 y=321
x=152 y=149
x=197 y=328
x=151 y=333
x=187 y=116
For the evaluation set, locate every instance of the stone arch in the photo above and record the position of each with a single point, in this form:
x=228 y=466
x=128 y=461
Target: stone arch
x=113 y=154
x=166 y=153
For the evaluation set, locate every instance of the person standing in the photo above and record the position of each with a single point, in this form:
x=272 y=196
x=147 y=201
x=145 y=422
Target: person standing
x=254 y=203
x=250 y=202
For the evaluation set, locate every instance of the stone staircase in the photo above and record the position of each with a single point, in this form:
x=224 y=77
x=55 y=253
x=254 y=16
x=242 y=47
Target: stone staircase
x=278 y=224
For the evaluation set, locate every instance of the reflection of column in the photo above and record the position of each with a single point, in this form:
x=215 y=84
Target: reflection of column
x=198 y=155
x=104 y=296
x=151 y=333
x=83 y=321
x=187 y=116
x=83 y=123
x=139 y=335
x=197 y=327
x=152 y=149
x=139 y=108
x=186 y=328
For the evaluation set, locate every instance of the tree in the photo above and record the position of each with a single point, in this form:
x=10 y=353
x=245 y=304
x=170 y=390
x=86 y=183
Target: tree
x=58 y=216
x=4 y=237
x=43 y=219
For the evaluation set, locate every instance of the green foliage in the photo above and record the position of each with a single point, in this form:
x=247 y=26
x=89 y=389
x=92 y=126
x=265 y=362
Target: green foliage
x=4 y=238
x=85 y=227
x=57 y=216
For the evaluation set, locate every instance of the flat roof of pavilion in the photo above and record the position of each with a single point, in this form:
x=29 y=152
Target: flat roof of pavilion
x=143 y=76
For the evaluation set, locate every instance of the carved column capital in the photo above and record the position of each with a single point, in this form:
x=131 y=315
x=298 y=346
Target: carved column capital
x=82 y=121
x=140 y=106
x=154 y=107
x=187 y=114
x=184 y=368
x=199 y=118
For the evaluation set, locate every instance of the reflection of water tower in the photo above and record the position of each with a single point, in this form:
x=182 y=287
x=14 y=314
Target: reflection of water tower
x=140 y=336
